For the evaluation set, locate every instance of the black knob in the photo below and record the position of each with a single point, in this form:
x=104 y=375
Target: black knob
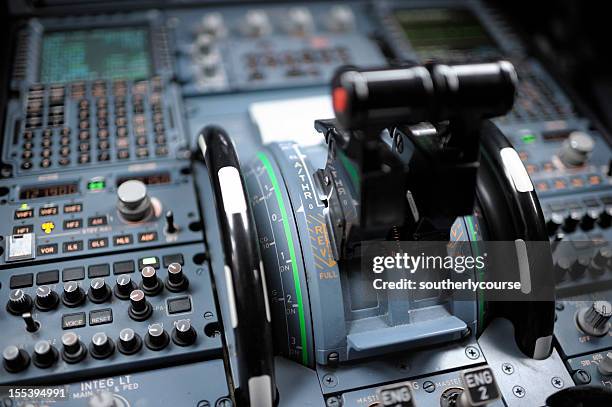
x=602 y=261
x=101 y=346
x=15 y=359
x=129 y=341
x=170 y=226
x=123 y=287
x=151 y=284
x=140 y=309
x=46 y=298
x=73 y=350
x=605 y=217
x=588 y=219
x=73 y=294
x=176 y=280
x=183 y=333
x=595 y=319
x=157 y=338
x=133 y=202
x=571 y=221
x=99 y=291
x=562 y=267
x=31 y=324
x=579 y=266
x=554 y=223
x=45 y=354
x=19 y=302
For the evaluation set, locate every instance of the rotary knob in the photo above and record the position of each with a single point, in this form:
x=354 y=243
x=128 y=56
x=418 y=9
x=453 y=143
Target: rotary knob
x=213 y=24
x=19 y=302
x=601 y=261
x=73 y=350
x=183 y=333
x=588 y=219
x=45 y=354
x=605 y=218
x=341 y=19
x=571 y=221
x=103 y=399
x=129 y=341
x=595 y=319
x=300 y=21
x=15 y=359
x=101 y=346
x=46 y=298
x=133 y=202
x=576 y=149
x=151 y=284
x=123 y=287
x=605 y=365
x=579 y=266
x=73 y=294
x=257 y=23
x=157 y=338
x=554 y=223
x=176 y=280
x=562 y=268
x=140 y=309
x=99 y=291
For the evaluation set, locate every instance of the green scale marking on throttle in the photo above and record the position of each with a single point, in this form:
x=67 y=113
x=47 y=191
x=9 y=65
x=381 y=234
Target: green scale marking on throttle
x=263 y=158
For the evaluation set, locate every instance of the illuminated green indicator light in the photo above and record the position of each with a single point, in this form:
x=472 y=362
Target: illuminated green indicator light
x=528 y=138
x=149 y=260
x=23 y=206
x=96 y=185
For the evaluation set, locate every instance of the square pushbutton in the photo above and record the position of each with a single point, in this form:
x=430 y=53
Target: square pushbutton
x=73 y=273
x=76 y=320
x=98 y=270
x=148 y=261
x=123 y=267
x=22 y=280
x=173 y=258
x=179 y=305
x=47 y=277
x=100 y=316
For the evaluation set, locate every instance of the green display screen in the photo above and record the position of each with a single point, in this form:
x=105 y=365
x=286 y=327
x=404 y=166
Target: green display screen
x=439 y=30
x=103 y=53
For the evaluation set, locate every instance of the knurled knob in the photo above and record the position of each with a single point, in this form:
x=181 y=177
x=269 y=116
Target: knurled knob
x=46 y=298
x=99 y=291
x=183 y=333
x=101 y=346
x=605 y=365
x=73 y=294
x=123 y=287
x=595 y=319
x=176 y=278
x=157 y=338
x=151 y=284
x=19 y=302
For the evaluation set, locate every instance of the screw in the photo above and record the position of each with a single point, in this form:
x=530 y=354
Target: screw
x=429 y=386
x=326 y=180
x=559 y=306
x=203 y=403
x=332 y=402
x=329 y=380
x=224 y=402
x=208 y=315
x=518 y=391
x=557 y=382
x=507 y=368
x=472 y=352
